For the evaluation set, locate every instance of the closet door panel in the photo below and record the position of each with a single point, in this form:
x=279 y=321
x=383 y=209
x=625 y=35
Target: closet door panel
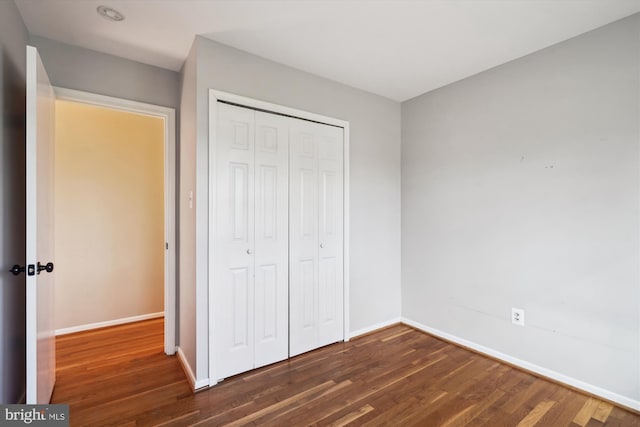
x=330 y=235
x=271 y=239
x=233 y=289
x=303 y=237
x=240 y=287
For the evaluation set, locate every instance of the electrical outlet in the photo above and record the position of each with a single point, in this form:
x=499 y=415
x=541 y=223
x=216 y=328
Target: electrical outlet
x=517 y=316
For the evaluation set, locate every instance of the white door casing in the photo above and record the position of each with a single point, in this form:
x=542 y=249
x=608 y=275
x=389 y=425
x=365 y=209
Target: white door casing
x=250 y=288
x=168 y=117
x=316 y=236
x=40 y=332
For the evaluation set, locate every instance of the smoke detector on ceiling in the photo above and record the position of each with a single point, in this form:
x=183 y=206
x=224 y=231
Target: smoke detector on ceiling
x=110 y=14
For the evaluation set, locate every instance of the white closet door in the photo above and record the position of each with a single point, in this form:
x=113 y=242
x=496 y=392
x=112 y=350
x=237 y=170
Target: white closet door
x=303 y=237
x=233 y=290
x=278 y=238
x=315 y=235
x=271 y=239
x=330 y=235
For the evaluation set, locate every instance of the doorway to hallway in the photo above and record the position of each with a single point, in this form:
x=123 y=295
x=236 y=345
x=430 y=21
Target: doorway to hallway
x=114 y=213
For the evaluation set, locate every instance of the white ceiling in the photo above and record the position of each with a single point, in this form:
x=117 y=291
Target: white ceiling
x=395 y=48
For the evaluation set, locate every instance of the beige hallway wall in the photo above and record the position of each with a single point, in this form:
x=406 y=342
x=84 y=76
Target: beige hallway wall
x=109 y=214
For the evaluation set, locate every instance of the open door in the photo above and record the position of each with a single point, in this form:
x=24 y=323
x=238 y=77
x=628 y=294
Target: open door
x=40 y=334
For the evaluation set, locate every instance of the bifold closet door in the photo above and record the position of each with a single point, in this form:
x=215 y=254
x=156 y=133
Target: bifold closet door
x=250 y=253
x=315 y=236
x=271 y=239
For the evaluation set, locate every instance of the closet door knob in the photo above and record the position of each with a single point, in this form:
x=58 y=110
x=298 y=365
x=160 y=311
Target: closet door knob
x=322 y=245
x=249 y=251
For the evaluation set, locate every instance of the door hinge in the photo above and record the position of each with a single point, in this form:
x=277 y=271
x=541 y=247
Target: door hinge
x=166 y=245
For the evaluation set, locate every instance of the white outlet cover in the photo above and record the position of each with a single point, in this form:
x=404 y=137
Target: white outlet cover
x=517 y=316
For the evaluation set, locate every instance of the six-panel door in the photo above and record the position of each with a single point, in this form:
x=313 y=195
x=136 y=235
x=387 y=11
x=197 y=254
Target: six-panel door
x=330 y=235
x=315 y=236
x=271 y=239
x=251 y=252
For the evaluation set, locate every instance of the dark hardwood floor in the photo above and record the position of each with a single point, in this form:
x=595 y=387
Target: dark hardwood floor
x=396 y=377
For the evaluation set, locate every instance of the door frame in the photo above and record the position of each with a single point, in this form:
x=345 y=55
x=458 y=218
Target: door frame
x=168 y=115
x=214 y=97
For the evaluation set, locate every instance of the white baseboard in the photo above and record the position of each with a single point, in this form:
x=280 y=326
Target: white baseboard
x=375 y=327
x=195 y=385
x=544 y=372
x=107 y=323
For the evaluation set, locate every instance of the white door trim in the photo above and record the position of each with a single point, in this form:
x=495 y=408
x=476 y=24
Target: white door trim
x=214 y=97
x=169 y=117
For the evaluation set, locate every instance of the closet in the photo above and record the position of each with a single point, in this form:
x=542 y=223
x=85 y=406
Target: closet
x=277 y=246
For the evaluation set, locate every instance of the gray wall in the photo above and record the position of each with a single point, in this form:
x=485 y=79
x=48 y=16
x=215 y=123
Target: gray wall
x=13 y=39
x=520 y=188
x=74 y=67
x=187 y=258
x=375 y=174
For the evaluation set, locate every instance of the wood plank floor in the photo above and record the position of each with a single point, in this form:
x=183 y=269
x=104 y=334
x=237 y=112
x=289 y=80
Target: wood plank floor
x=396 y=377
